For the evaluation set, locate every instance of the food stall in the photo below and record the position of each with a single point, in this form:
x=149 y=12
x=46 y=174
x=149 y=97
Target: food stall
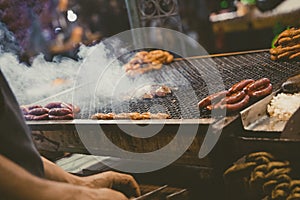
x=202 y=127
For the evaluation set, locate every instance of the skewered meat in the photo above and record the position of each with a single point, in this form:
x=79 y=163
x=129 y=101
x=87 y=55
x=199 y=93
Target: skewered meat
x=145 y=61
x=152 y=91
x=103 y=116
x=287 y=45
x=132 y=116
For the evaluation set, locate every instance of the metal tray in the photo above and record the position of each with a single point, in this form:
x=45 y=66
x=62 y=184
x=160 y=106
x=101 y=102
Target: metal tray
x=255 y=117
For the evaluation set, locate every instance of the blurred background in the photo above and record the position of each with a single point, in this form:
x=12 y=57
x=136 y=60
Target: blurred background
x=58 y=27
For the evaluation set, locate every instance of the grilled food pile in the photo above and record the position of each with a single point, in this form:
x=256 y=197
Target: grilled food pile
x=287 y=45
x=283 y=106
x=144 y=61
x=132 y=116
x=262 y=176
x=159 y=91
x=51 y=111
x=238 y=96
x=285 y=103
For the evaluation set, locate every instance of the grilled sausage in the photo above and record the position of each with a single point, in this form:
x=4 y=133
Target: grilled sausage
x=257 y=85
x=64 y=117
x=234 y=98
x=240 y=86
x=236 y=106
x=261 y=92
x=34 y=106
x=211 y=99
x=35 y=118
x=38 y=111
x=60 y=111
x=67 y=105
x=53 y=105
x=76 y=109
x=71 y=107
x=24 y=110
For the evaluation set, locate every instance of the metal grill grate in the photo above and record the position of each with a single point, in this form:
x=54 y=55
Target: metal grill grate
x=232 y=69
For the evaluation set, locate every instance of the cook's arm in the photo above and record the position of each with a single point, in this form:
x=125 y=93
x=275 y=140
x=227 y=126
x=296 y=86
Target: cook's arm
x=122 y=182
x=55 y=173
x=18 y=184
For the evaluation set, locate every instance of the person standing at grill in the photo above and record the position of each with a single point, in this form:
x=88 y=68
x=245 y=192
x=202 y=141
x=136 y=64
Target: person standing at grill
x=25 y=175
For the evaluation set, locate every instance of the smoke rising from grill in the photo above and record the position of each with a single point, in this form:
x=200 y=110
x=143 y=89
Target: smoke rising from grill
x=97 y=74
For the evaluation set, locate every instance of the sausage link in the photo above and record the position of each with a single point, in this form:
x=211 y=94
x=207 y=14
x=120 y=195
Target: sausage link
x=76 y=109
x=234 y=98
x=141 y=54
x=169 y=59
x=38 y=111
x=60 y=111
x=261 y=83
x=240 y=86
x=212 y=99
x=64 y=117
x=67 y=105
x=261 y=92
x=236 y=106
x=34 y=106
x=53 y=105
x=35 y=118
x=24 y=110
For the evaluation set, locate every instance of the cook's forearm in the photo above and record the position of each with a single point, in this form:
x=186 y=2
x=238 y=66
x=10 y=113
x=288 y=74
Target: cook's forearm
x=18 y=184
x=55 y=173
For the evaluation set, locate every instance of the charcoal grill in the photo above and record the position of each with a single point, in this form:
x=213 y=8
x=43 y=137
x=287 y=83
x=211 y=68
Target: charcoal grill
x=232 y=67
x=62 y=135
x=56 y=136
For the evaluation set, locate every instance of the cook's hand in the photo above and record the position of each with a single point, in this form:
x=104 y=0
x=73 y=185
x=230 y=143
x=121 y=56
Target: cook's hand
x=99 y=194
x=117 y=181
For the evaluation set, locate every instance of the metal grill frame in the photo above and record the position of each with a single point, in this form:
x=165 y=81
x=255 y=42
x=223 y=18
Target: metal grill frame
x=62 y=135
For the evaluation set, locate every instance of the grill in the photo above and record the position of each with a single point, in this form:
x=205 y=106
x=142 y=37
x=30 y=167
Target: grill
x=63 y=136
x=232 y=68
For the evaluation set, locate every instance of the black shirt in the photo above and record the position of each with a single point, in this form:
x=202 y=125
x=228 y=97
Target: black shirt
x=15 y=141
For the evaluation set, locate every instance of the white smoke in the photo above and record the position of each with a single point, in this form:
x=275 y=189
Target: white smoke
x=97 y=73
